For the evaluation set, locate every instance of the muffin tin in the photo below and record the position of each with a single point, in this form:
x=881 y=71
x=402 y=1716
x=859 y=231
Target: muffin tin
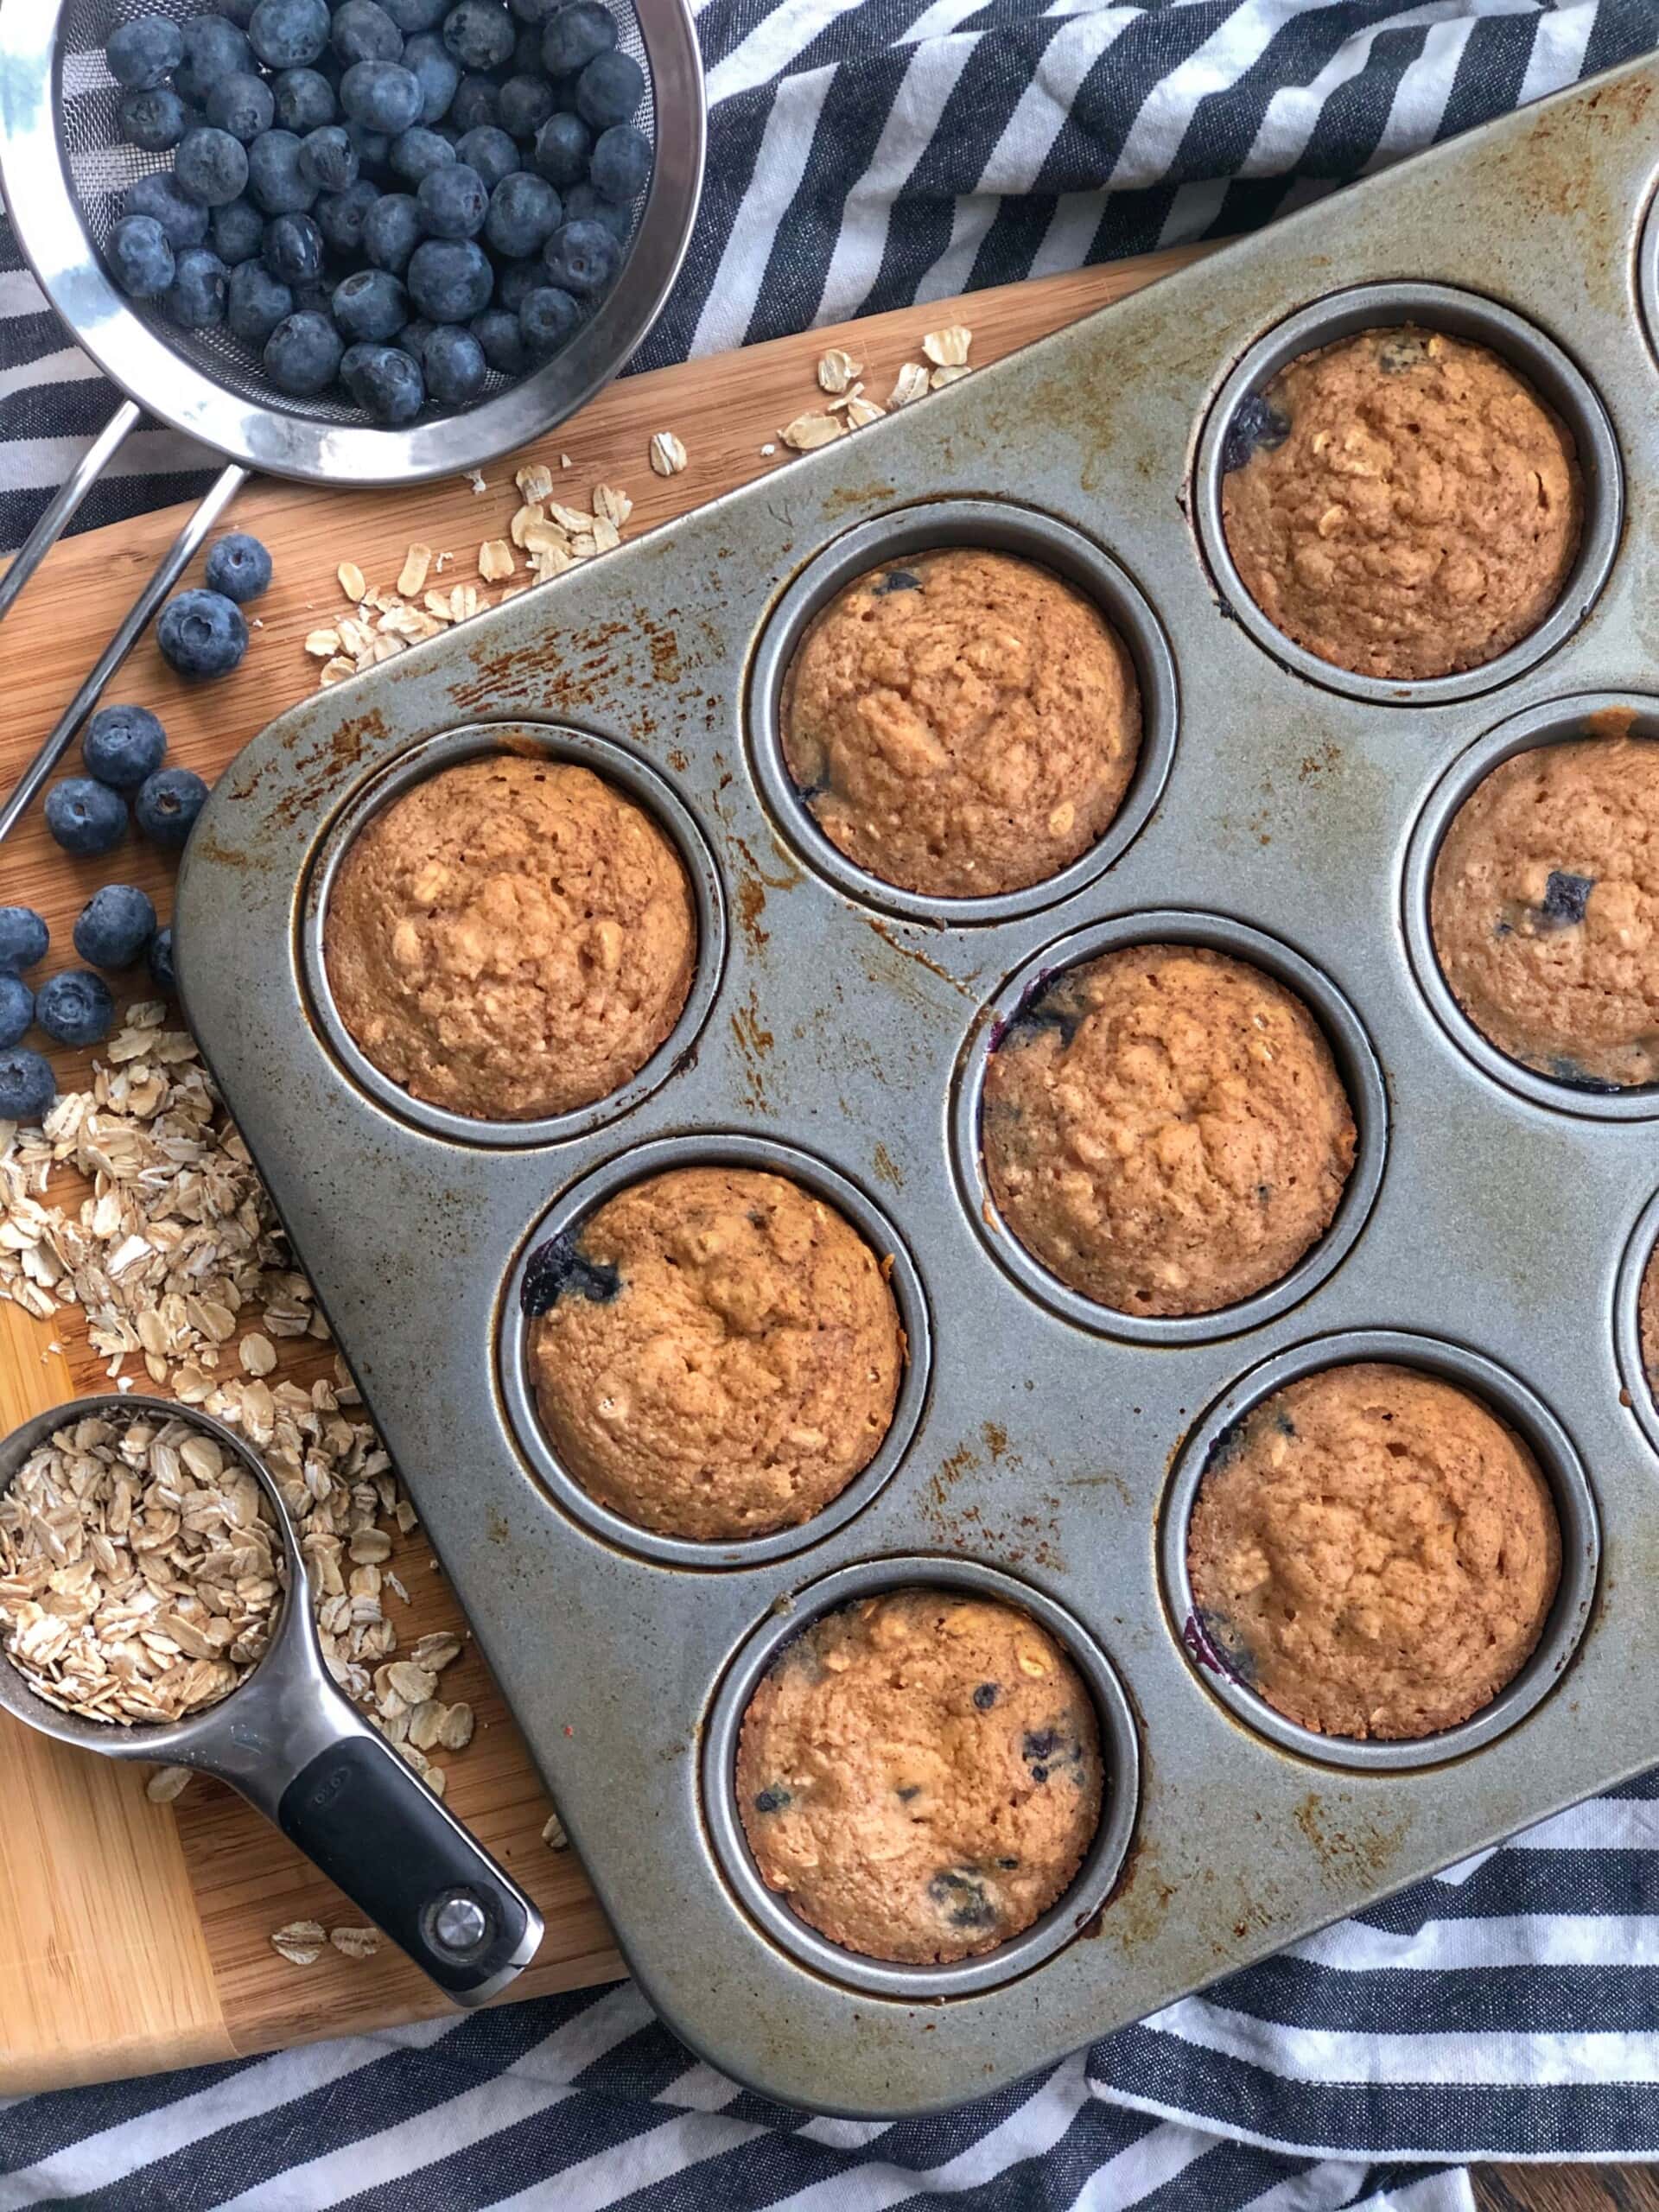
x=1045 y=1446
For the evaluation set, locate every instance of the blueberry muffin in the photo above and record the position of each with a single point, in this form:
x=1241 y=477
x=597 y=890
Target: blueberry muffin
x=919 y=1775
x=715 y=1353
x=512 y=939
x=962 y=724
x=1544 y=909
x=1165 y=1129
x=1401 y=504
x=1374 y=1551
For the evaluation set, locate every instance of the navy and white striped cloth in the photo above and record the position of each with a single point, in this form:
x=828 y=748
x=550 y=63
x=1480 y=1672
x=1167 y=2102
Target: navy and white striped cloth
x=864 y=156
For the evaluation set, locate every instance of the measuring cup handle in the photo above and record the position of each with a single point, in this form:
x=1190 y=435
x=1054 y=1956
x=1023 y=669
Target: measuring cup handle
x=357 y=1811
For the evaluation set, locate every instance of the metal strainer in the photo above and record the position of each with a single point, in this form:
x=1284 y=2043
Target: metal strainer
x=64 y=168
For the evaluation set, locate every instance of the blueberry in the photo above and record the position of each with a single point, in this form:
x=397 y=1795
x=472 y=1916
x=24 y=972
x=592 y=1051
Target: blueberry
x=434 y=67
x=210 y=167
x=772 y=1799
x=238 y=567
x=575 y=35
x=238 y=230
x=960 y=1895
x=256 y=302
x=294 y=249
x=159 y=960
x=1255 y=424
x=479 y=33
x=370 y=307
x=364 y=31
x=582 y=258
x=609 y=90
x=277 y=182
x=583 y=205
x=562 y=1266
x=196 y=298
x=373 y=150
x=515 y=283
x=154 y=121
x=489 y=152
x=141 y=257
x=454 y=201
x=301 y=355
x=524 y=104
x=1566 y=896
x=201 y=633
x=450 y=280
x=167 y=804
x=454 y=366
x=621 y=168
x=144 y=54
x=305 y=101
x=421 y=15
x=213 y=49
x=74 y=1007
x=243 y=105
x=416 y=153
x=413 y=337
x=28 y=1086
x=328 y=157
x=895 y=580
x=477 y=101
x=391 y=232
x=985 y=1696
x=381 y=95
x=343 y=216
x=563 y=145
x=184 y=222
x=121 y=746
x=16 y=1010
x=502 y=341
x=289 y=33
x=547 y=318
x=114 y=927
x=85 y=817
x=385 y=382
x=525 y=212
x=23 y=938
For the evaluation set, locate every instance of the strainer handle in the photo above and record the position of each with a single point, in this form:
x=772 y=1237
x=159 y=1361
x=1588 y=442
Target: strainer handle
x=171 y=567
x=66 y=500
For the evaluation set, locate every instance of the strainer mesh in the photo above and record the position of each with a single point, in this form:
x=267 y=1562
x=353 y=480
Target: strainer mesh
x=101 y=166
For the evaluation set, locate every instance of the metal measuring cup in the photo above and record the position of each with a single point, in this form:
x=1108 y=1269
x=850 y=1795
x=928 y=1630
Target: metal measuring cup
x=289 y=1740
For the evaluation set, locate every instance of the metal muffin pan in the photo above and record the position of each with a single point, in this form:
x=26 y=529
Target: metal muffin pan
x=1627 y=1321
x=846 y=1032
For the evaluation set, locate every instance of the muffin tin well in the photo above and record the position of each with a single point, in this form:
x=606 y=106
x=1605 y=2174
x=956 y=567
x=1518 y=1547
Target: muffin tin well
x=1627 y=1321
x=838 y=1029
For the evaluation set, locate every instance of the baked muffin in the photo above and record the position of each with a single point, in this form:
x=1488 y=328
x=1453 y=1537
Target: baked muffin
x=962 y=724
x=919 y=1774
x=715 y=1353
x=1545 y=909
x=1401 y=504
x=1648 y=1317
x=512 y=939
x=1374 y=1551
x=1165 y=1130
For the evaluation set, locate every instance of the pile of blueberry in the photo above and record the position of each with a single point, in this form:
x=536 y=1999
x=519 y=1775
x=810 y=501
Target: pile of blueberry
x=388 y=197
x=123 y=749
x=114 y=929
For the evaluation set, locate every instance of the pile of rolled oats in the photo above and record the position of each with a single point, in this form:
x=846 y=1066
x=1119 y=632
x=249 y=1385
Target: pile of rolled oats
x=849 y=409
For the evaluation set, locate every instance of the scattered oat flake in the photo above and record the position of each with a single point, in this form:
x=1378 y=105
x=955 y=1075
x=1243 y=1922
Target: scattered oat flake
x=495 y=562
x=837 y=370
x=335 y=671
x=565 y=461
x=353 y=582
x=611 y=505
x=860 y=411
x=909 y=384
x=416 y=562
x=768 y=451
x=322 y=644
x=948 y=374
x=166 y=1783
x=948 y=348
x=553 y=1835
x=808 y=431
x=355 y=1942
x=475 y=478
x=668 y=455
x=535 y=483
x=301 y=1943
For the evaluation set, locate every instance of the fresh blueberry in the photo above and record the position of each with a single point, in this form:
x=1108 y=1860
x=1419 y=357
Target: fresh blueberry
x=563 y=145
x=16 y=1010
x=391 y=232
x=159 y=960
x=155 y=121
x=525 y=212
x=582 y=258
x=547 y=318
x=74 y=1007
x=373 y=150
x=501 y=340
x=450 y=280
x=238 y=567
x=370 y=307
x=213 y=48
x=524 y=104
x=583 y=205
x=364 y=31
x=479 y=33
x=621 y=168
x=575 y=35
x=167 y=804
x=144 y=54
x=210 y=167
x=141 y=256
x=453 y=201
x=454 y=366
x=343 y=216
x=303 y=354
x=114 y=927
x=23 y=938
x=382 y=96
x=243 y=105
x=489 y=152
x=385 y=382
x=289 y=33
x=84 y=817
x=305 y=101
x=416 y=153
x=238 y=230
x=28 y=1086
x=435 y=67
x=477 y=101
x=185 y=222
x=329 y=158
x=196 y=298
x=121 y=746
x=609 y=90
x=256 y=302
x=515 y=283
x=1256 y=425
x=201 y=633
x=411 y=15
x=294 y=249
x=277 y=182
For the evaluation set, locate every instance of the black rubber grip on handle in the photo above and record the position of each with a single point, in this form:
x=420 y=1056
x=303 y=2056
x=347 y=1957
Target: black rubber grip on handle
x=359 y=1814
